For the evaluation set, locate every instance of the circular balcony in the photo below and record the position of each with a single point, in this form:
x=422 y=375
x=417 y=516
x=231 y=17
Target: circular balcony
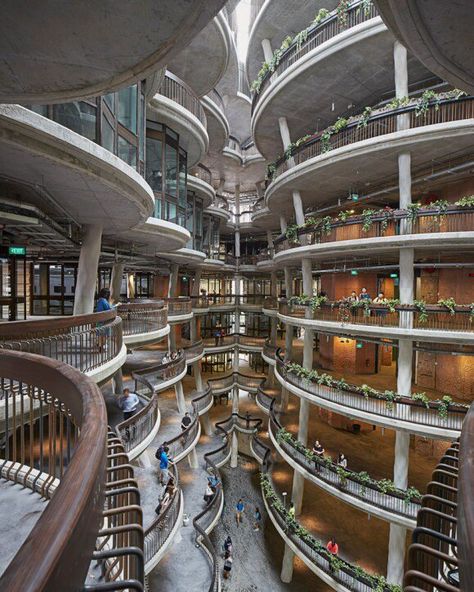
x=430 y=418
x=352 y=50
x=269 y=352
x=80 y=51
x=143 y=322
x=394 y=505
x=225 y=383
x=159 y=377
x=434 y=324
x=193 y=352
x=200 y=305
x=91 y=343
x=177 y=106
x=326 y=166
x=227 y=342
x=180 y=309
x=84 y=179
x=200 y=181
x=270 y=306
x=139 y=431
x=218 y=126
x=386 y=231
x=77 y=424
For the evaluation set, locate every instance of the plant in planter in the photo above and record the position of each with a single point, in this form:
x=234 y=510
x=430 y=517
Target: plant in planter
x=390 y=399
x=292 y=233
x=316 y=302
x=342 y=11
x=442 y=206
x=413 y=210
x=364 y=479
x=300 y=39
x=398 y=102
x=271 y=169
x=424 y=102
x=421 y=398
x=412 y=494
x=365 y=6
x=420 y=306
x=443 y=406
x=340 y=124
x=364 y=118
x=320 y=16
x=465 y=202
x=367 y=390
x=326 y=141
x=344 y=215
x=335 y=563
x=326 y=225
x=367 y=217
x=448 y=303
x=386 y=486
x=392 y=303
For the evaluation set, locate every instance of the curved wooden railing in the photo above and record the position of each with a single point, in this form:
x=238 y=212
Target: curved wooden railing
x=404 y=410
x=245 y=382
x=180 y=445
x=317 y=35
x=379 y=124
x=148 y=380
x=396 y=502
x=234 y=339
x=384 y=223
x=143 y=316
x=134 y=430
x=201 y=172
x=192 y=350
x=178 y=91
x=270 y=303
x=438 y=317
x=69 y=451
x=269 y=349
x=465 y=500
x=84 y=341
x=200 y=302
x=180 y=305
x=159 y=531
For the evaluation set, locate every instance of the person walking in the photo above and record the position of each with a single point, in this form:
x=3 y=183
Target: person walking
x=128 y=403
x=239 y=510
x=227 y=565
x=209 y=494
x=228 y=545
x=258 y=519
x=164 y=466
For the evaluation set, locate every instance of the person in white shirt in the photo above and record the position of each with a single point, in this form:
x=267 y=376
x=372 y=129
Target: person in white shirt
x=129 y=403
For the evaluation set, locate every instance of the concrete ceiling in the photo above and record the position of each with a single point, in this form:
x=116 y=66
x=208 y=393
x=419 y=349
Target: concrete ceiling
x=63 y=51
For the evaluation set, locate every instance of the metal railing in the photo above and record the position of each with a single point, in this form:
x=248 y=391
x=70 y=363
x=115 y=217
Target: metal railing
x=134 y=430
x=85 y=342
x=270 y=303
x=142 y=317
x=178 y=91
x=234 y=339
x=383 y=223
x=380 y=124
x=317 y=35
x=149 y=380
x=200 y=302
x=201 y=172
x=404 y=409
x=438 y=317
x=269 y=349
x=192 y=350
x=437 y=555
x=181 y=305
x=244 y=381
x=54 y=438
x=394 y=502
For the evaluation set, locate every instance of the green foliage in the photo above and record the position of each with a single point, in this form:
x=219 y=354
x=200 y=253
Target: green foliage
x=326 y=225
x=448 y=303
x=342 y=12
x=320 y=16
x=367 y=217
x=443 y=406
x=421 y=398
x=392 y=303
x=300 y=39
x=292 y=233
x=420 y=306
x=465 y=202
x=344 y=215
x=364 y=118
x=413 y=211
x=428 y=98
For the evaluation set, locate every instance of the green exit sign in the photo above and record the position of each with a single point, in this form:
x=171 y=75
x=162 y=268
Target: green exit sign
x=17 y=251
x=354 y=272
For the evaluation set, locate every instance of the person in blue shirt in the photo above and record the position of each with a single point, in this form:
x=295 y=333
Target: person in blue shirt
x=164 y=465
x=239 y=510
x=103 y=304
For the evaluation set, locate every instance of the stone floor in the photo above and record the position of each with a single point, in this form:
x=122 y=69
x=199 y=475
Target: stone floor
x=20 y=509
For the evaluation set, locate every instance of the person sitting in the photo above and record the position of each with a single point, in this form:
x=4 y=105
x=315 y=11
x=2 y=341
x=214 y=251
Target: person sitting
x=364 y=295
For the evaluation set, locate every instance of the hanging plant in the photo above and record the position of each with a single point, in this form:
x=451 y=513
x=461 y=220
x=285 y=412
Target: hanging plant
x=412 y=494
x=443 y=406
x=471 y=312
x=421 y=398
x=342 y=11
x=367 y=218
x=326 y=225
x=448 y=303
x=325 y=141
x=340 y=124
x=398 y=102
x=441 y=206
x=392 y=303
x=465 y=202
x=316 y=302
x=320 y=16
x=310 y=221
x=424 y=103
x=420 y=306
x=292 y=233
x=365 y=6
x=390 y=399
x=364 y=119
x=300 y=39
x=413 y=210
x=387 y=215
x=271 y=169
x=344 y=215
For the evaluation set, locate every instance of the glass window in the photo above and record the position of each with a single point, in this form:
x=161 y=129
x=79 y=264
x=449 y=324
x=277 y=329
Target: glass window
x=107 y=135
x=110 y=100
x=154 y=173
x=158 y=207
x=127 y=151
x=171 y=211
x=80 y=117
x=182 y=180
x=127 y=107
x=141 y=130
x=40 y=109
x=171 y=168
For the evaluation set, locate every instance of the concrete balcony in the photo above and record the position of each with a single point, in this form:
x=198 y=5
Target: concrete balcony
x=84 y=50
x=177 y=105
x=143 y=322
x=323 y=172
x=200 y=181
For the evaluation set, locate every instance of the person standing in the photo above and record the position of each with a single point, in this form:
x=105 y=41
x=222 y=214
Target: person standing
x=227 y=565
x=332 y=546
x=228 y=545
x=103 y=304
x=186 y=421
x=258 y=519
x=239 y=510
x=128 y=403
x=164 y=466
x=292 y=511
x=342 y=461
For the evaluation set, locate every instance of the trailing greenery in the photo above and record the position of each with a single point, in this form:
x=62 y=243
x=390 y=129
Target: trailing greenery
x=314 y=302
x=420 y=307
x=421 y=106
x=390 y=397
x=320 y=16
x=377 y=583
x=448 y=303
x=363 y=478
x=292 y=233
x=465 y=202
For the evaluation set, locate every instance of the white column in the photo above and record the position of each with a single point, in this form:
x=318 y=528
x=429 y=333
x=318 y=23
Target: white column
x=198 y=376
x=193 y=459
x=396 y=554
x=237 y=220
x=87 y=269
x=235 y=400
x=298 y=207
x=173 y=281
x=130 y=286
x=234 y=450
x=206 y=424
x=180 y=400
x=404 y=179
x=307 y=273
x=196 y=282
x=270 y=243
x=400 y=62
x=116 y=282
x=283 y=224
x=267 y=50
x=287 y=565
x=117 y=381
x=288 y=282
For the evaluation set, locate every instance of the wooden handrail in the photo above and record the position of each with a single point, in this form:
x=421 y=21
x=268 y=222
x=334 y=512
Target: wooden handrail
x=57 y=553
x=466 y=503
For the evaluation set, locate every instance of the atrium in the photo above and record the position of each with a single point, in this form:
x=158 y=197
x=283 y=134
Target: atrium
x=237 y=296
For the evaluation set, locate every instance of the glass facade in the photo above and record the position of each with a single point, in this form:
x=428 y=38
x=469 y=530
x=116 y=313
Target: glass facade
x=115 y=121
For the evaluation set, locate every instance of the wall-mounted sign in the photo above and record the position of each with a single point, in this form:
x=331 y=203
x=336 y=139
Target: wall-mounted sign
x=17 y=251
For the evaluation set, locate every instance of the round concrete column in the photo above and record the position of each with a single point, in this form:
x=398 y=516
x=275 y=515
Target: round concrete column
x=180 y=400
x=193 y=459
x=198 y=376
x=287 y=565
x=235 y=400
x=173 y=281
x=116 y=282
x=234 y=450
x=396 y=554
x=87 y=269
x=267 y=50
x=206 y=424
x=197 y=282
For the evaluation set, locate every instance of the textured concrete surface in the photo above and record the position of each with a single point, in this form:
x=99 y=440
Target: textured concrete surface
x=20 y=509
